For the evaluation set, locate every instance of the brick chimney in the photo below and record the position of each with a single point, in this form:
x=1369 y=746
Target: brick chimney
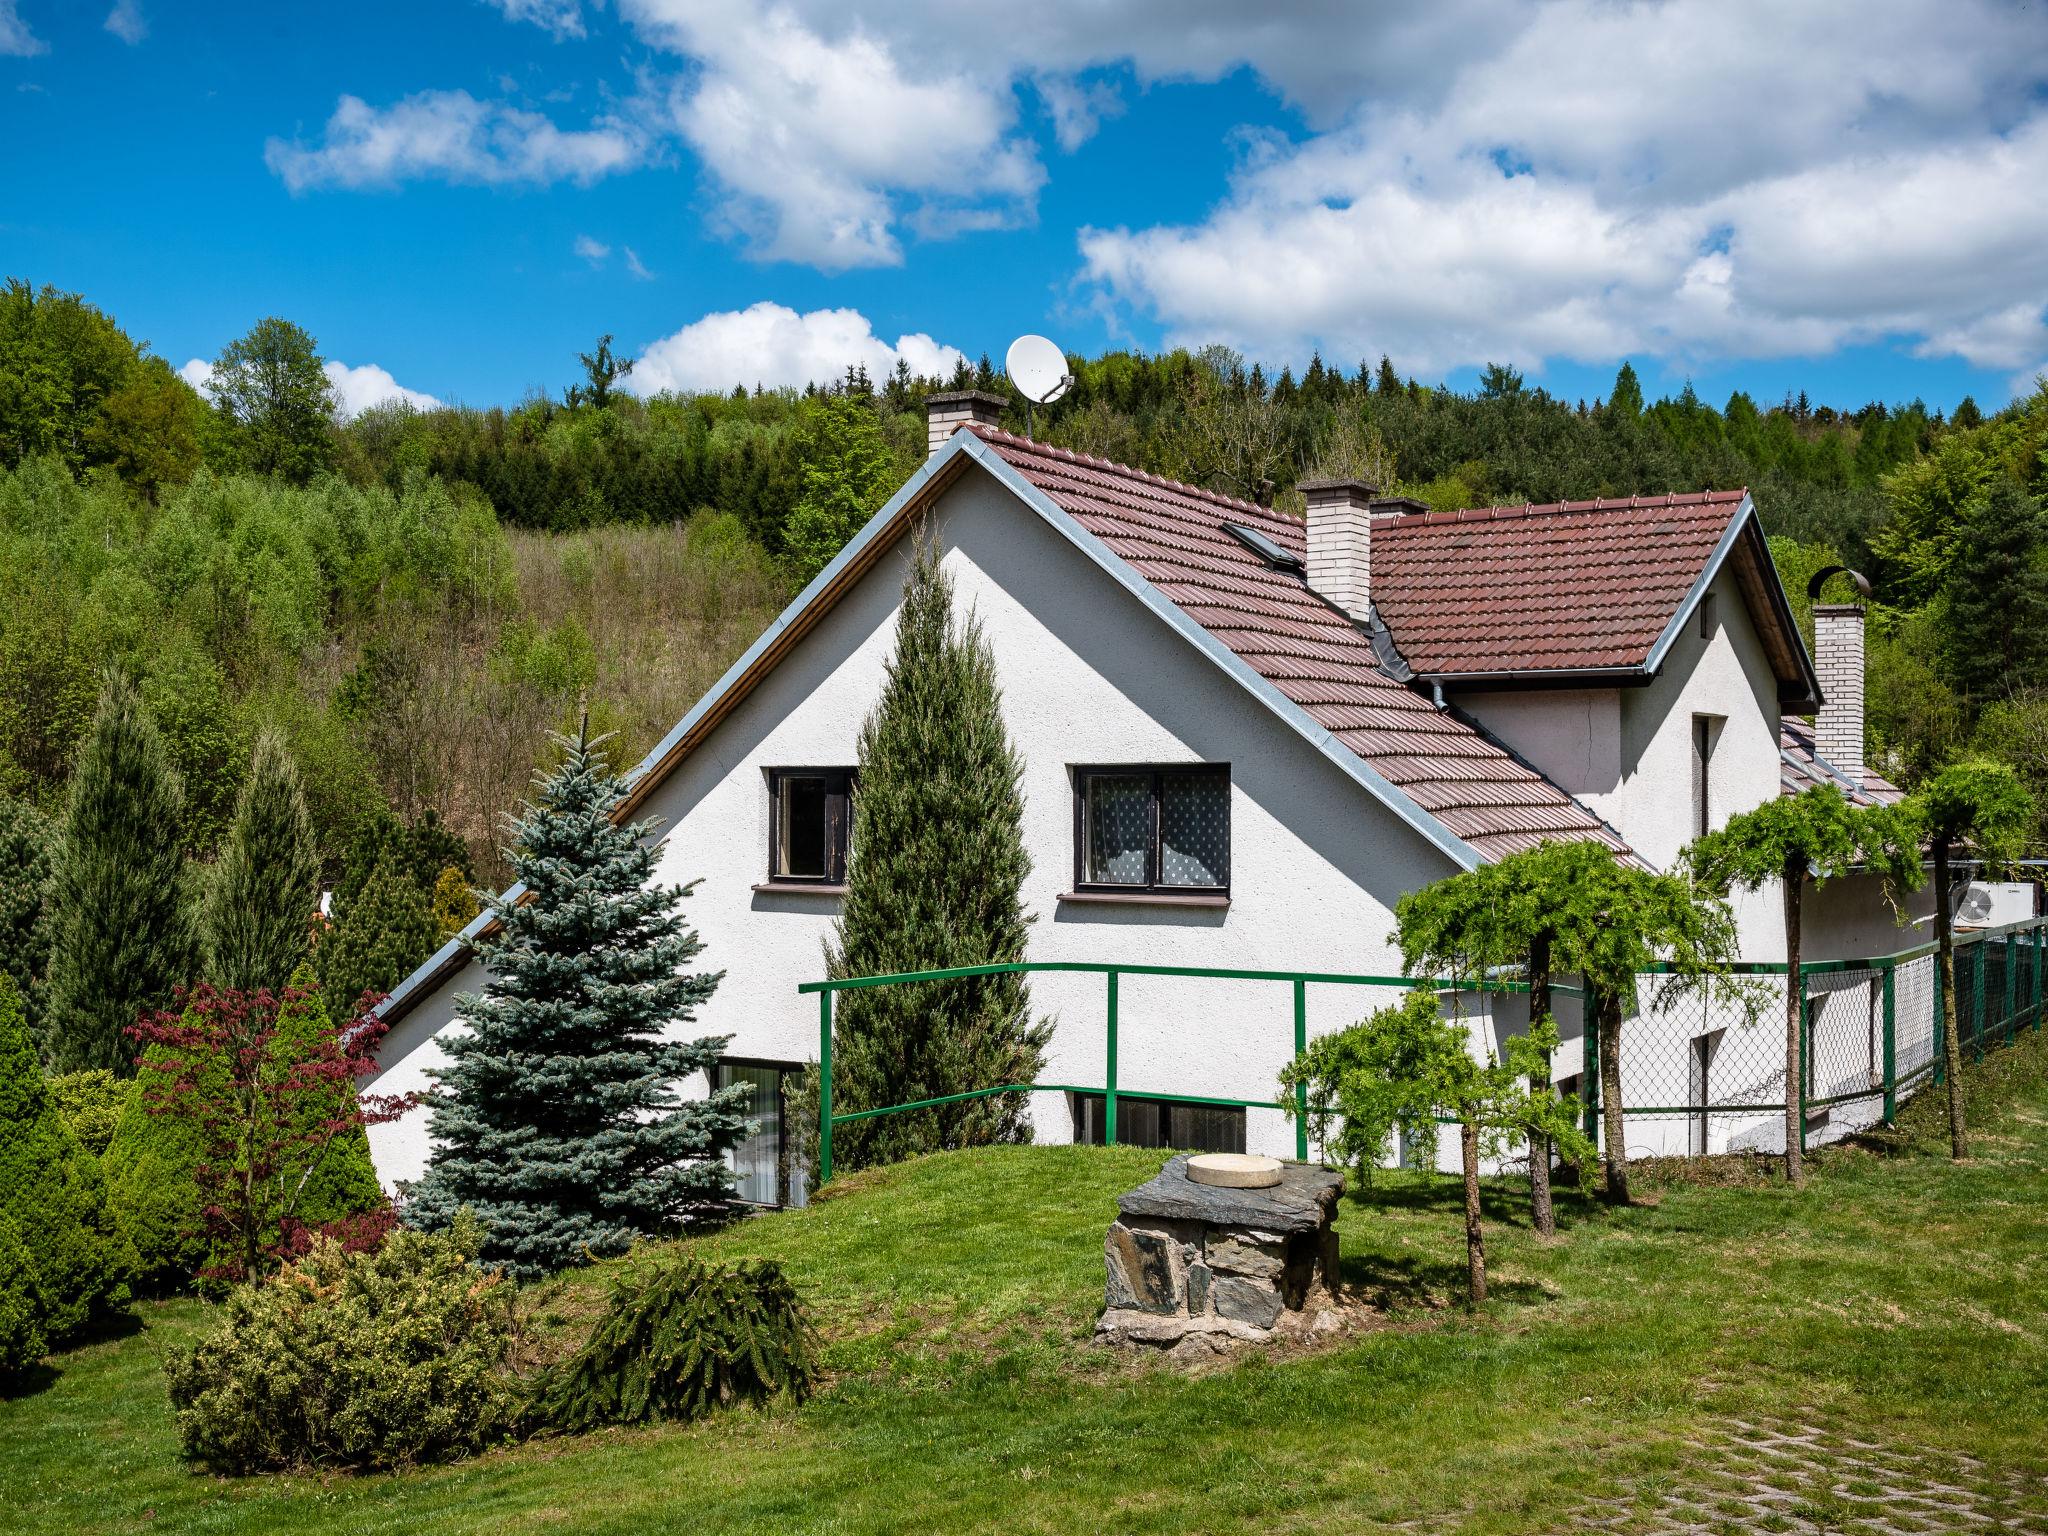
x=1838 y=663
x=1340 y=518
x=1838 y=660
x=946 y=414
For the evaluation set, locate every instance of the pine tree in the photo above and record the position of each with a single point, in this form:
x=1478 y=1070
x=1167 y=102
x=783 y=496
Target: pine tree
x=26 y=843
x=1996 y=616
x=1626 y=398
x=122 y=926
x=378 y=939
x=560 y=1122
x=259 y=906
x=935 y=880
x=52 y=1192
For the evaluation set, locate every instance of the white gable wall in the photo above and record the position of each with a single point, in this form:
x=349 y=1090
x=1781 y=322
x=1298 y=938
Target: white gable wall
x=1089 y=676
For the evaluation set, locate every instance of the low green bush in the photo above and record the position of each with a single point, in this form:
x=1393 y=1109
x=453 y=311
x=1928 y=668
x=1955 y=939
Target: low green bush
x=53 y=1194
x=354 y=1360
x=21 y=1305
x=678 y=1340
x=90 y=1102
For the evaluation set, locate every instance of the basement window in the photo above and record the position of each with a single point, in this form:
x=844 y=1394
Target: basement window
x=809 y=824
x=1268 y=551
x=1159 y=1123
x=1158 y=830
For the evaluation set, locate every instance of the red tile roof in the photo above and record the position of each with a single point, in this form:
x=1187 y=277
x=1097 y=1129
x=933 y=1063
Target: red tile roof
x=1563 y=585
x=1173 y=536
x=1802 y=768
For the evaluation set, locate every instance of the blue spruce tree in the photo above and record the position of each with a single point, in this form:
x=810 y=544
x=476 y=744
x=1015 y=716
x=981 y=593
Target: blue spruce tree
x=561 y=1123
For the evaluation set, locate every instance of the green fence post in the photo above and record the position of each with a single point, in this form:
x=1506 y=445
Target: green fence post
x=1891 y=1046
x=2011 y=945
x=2040 y=948
x=1109 y=1077
x=1797 y=978
x=1940 y=1029
x=1589 y=1064
x=824 y=1089
x=1300 y=1089
x=1977 y=1005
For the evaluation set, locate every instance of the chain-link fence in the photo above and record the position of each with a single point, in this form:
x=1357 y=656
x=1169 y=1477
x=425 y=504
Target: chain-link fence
x=1705 y=1074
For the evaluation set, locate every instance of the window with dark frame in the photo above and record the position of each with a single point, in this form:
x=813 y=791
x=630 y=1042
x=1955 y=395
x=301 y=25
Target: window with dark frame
x=1142 y=1122
x=1704 y=729
x=1161 y=830
x=1707 y=616
x=767 y=1168
x=809 y=822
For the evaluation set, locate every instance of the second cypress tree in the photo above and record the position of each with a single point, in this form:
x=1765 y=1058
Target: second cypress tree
x=935 y=880
x=259 y=907
x=122 y=934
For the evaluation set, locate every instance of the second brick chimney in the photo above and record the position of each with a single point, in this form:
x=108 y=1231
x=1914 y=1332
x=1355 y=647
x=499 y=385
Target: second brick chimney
x=1340 y=518
x=948 y=413
x=1838 y=663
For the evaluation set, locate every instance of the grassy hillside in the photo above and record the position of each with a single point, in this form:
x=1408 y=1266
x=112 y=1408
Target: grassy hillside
x=1897 y=1301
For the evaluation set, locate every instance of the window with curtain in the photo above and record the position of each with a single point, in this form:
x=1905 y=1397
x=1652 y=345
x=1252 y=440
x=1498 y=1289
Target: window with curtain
x=1152 y=829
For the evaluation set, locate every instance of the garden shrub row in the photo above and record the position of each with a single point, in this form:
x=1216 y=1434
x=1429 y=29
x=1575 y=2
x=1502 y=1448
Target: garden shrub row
x=406 y=1354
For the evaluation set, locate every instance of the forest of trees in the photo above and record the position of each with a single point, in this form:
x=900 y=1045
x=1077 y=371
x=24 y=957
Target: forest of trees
x=410 y=598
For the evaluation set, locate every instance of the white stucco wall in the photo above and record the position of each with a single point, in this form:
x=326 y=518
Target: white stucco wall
x=1089 y=676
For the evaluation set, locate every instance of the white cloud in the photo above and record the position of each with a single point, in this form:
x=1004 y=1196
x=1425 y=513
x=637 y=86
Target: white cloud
x=592 y=251
x=823 y=141
x=773 y=345
x=358 y=389
x=355 y=389
x=453 y=136
x=564 y=18
x=636 y=268
x=127 y=22
x=1830 y=175
x=16 y=40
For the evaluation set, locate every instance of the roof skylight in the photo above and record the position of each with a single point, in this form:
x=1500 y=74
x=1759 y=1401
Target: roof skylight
x=1255 y=541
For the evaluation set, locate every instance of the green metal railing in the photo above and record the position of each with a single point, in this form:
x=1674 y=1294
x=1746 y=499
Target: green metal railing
x=1110 y=1089
x=1999 y=984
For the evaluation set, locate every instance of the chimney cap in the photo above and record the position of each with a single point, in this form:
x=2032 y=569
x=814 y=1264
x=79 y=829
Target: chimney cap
x=1338 y=490
x=968 y=397
x=1388 y=506
x=1821 y=577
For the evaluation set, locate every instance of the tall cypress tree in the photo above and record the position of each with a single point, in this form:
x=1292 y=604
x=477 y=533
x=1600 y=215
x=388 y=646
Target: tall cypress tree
x=259 y=906
x=26 y=843
x=561 y=1123
x=123 y=932
x=935 y=880
x=378 y=938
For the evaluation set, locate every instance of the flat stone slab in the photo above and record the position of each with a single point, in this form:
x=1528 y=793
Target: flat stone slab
x=1300 y=1202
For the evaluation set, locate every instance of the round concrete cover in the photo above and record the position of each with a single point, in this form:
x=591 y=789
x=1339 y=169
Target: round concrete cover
x=1234 y=1170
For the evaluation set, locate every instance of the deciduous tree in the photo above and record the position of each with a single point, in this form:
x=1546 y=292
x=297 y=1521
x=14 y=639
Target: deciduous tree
x=272 y=384
x=1982 y=807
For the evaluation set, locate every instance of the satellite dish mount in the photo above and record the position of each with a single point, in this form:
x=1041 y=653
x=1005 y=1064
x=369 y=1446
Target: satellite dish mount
x=1039 y=370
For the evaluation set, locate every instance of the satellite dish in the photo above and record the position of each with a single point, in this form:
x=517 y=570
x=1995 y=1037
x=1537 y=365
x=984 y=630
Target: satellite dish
x=1038 y=368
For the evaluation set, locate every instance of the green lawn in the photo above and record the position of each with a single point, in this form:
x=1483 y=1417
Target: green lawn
x=1897 y=1297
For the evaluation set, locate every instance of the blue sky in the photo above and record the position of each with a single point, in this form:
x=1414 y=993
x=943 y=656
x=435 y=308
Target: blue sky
x=1847 y=201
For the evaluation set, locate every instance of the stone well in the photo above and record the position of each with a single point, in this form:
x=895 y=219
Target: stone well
x=1198 y=1263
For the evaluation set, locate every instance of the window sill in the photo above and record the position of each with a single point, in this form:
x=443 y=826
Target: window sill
x=798 y=888
x=1211 y=900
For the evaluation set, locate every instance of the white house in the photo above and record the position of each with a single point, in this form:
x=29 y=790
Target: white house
x=1243 y=739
